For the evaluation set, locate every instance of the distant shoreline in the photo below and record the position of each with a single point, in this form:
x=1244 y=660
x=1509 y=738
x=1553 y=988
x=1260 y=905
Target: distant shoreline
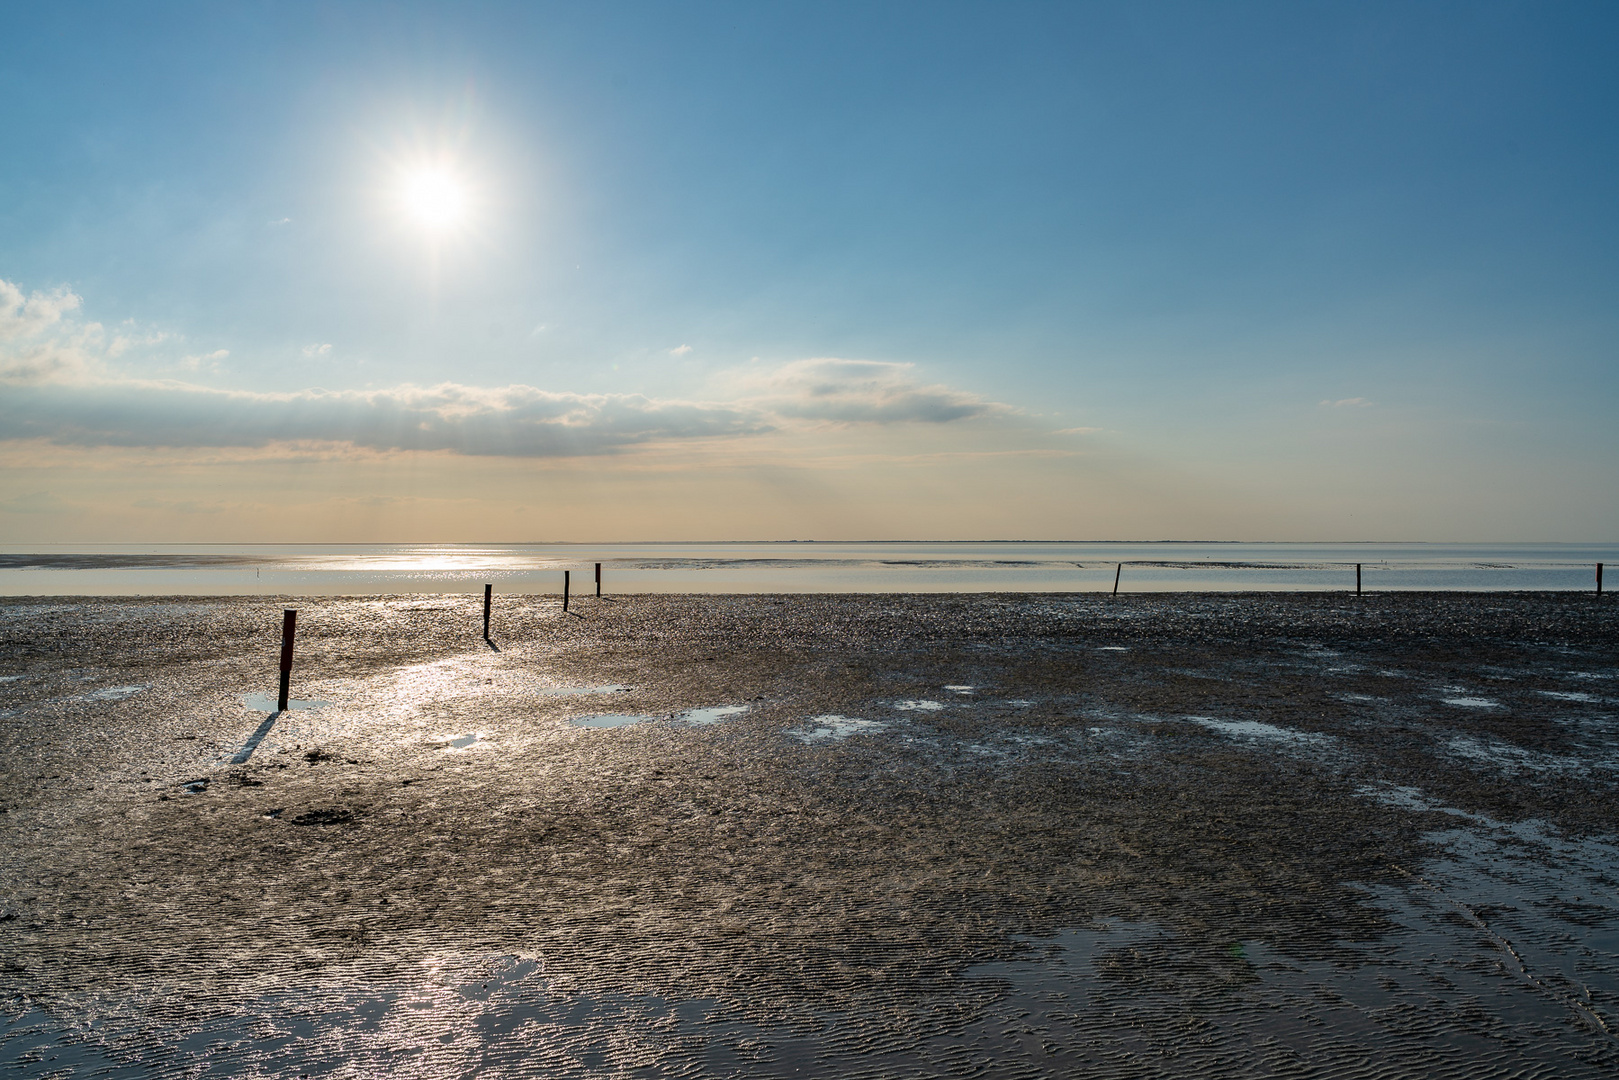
x=802 y=568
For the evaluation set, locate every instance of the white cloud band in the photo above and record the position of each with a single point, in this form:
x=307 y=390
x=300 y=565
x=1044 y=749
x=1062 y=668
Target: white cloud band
x=516 y=421
x=863 y=391
x=56 y=385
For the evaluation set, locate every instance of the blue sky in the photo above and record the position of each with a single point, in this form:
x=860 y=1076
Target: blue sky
x=1291 y=271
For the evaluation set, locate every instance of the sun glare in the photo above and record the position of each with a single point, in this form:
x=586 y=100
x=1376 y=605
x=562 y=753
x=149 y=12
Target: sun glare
x=434 y=197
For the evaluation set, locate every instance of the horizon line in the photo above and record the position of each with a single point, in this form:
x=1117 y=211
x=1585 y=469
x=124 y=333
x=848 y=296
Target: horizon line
x=609 y=543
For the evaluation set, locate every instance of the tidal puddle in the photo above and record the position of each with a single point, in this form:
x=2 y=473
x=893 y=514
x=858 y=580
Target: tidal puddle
x=266 y=703
x=1569 y=695
x=1406 y=798
x=1104 y=1000
x=1254 y=729
x=609 y=720
x=834 y=728
x=463 y=741
x=712 y=715
x=1472 y=703
x=1510 y=758
x=918 y=706
x=960 y=689
x=461 y=1018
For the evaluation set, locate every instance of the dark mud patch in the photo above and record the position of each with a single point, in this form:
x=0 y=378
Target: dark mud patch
x=328 y=816
x=1205 y=855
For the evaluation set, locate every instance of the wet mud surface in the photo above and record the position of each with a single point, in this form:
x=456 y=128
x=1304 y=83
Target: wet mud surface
x=1241 y=835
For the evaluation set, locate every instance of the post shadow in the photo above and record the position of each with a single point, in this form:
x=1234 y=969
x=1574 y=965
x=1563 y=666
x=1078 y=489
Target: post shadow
x=253 y=740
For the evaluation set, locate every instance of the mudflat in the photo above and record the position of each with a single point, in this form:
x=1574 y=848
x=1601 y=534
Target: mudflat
x=757 y=836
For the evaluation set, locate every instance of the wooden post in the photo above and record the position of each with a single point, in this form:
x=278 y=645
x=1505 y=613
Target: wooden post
x=564 y=590
x=1357 y=579
x=289 y=621
x=598 y=579
x=1116 y=574
x=1599 y=579
x=488 y=592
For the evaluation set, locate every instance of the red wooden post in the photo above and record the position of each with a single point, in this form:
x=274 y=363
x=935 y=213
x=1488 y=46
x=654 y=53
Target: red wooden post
x=289 y=621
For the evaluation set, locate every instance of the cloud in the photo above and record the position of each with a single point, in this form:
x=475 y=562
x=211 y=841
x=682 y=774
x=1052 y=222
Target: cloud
x=680 y=350
x=23 y=317
x=514 y=421
x=41 y=340
x=1348 y=403
x=46 y=363
x=38 y=342
x=59 y=387
x=862 y=391
x=509 y=421
x=205 y=362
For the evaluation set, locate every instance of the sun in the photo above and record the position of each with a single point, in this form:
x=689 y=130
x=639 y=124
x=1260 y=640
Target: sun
x=434 y=197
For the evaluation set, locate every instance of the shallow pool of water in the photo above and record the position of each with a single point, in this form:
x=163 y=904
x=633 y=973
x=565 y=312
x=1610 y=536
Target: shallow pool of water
x=834 y=728
x=609 y=720
x=267 y=703
x=713 y=714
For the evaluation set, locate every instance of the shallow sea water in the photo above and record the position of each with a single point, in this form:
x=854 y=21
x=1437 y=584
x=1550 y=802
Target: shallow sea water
x=1040 y=836
x=791 y=567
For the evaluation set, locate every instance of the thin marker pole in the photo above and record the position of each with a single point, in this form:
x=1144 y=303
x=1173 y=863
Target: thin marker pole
x=1599 y=579
x=488 y=593
x=289 y=622
x=1116 y=575
x=564 y=590
x=598 y=579
x=1357 y=579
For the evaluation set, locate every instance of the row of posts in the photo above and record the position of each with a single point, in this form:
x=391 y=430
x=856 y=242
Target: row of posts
x=567 y=588
x=1119 y=574
x=289 y=619
x=289 y=627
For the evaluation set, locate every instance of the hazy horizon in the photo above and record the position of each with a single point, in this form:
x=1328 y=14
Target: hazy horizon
x=795 y=566
x=606 y=541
